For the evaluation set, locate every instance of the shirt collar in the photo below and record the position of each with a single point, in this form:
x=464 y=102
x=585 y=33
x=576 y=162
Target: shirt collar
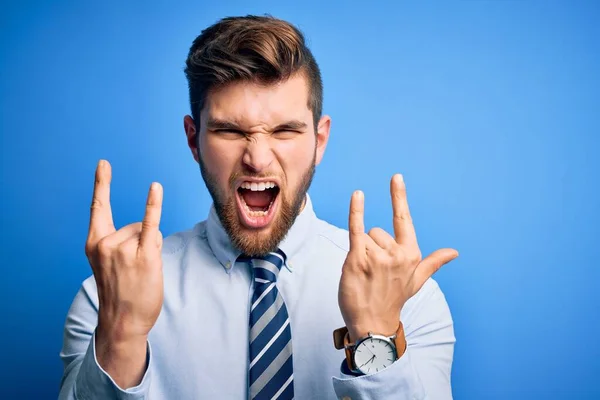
x=221 y=245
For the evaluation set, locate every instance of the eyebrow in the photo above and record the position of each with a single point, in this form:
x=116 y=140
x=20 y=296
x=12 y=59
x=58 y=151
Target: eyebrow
x=214 y=124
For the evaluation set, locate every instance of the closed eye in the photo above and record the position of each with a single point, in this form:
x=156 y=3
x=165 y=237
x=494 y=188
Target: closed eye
x=286 y=133
x=228 y=132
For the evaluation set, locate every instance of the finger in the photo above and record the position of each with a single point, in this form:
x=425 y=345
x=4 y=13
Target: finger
x=159 y=239
x=382 y=238
x=130 y=247
x=404 y=231
x=356 y=222
x=431 y=264
x=101 y=220
x=151 y=219
x=125 y=233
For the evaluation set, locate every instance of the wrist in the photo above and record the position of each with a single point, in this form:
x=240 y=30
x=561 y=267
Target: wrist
x=123 y=359
x=118 y=332
x=393 y=345
x=356 y=332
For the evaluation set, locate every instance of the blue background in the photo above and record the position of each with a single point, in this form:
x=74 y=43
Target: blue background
x=489 y=109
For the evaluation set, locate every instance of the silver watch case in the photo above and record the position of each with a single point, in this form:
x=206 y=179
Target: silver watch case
x=353 y=347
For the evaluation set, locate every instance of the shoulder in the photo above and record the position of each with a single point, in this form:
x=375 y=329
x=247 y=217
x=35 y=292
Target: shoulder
x=178 y=241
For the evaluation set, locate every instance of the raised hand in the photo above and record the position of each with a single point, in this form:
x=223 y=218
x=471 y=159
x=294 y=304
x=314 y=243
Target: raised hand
x=127 y=267
x=382 y=272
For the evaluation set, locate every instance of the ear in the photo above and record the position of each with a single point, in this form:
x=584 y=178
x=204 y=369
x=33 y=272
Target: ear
x=322 y=137
x=190 y=131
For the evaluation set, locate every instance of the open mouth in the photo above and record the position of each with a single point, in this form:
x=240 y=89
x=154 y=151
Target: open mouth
x=257 y=202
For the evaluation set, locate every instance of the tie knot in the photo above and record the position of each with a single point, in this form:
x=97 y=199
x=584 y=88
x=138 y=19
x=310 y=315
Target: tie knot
x=267 y=267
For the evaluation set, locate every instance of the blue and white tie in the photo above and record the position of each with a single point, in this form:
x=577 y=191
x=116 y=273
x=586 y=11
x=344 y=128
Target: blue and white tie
x=270 y=372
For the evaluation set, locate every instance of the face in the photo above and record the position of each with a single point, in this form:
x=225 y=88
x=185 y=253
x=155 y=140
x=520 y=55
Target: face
x=257 y=152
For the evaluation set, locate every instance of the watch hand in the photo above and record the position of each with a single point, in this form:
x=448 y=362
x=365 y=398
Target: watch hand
x=371 y=359
x=367 y=347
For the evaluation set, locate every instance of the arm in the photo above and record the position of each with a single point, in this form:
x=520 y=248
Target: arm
x=381 y=276
x=423 y=372
x=105 y=346
x=83 y=377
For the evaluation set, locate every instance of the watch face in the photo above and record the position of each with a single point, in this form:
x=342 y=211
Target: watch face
x=373 y=355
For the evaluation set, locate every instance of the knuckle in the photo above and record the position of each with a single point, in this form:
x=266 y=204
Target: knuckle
x=89 y=249
x=403 y=216
x=148 y=224
x=415 y=258
x=392 y=252
x=143 y=255
x=400 y=257
x=375 y=231
x=356 y=230
x=104 y=248
x=96 y=203
x=356 y=262
x=380 y=258
x=89 y=244
x=124 y=250
x=121 y=251
x=355 y=215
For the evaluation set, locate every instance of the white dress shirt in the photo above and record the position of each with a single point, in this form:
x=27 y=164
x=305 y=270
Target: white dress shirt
x=198 y=348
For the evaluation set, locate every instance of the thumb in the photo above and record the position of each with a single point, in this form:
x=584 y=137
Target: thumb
x=431 y=264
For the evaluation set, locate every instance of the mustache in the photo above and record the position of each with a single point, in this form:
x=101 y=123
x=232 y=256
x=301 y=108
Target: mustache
x=236 y=175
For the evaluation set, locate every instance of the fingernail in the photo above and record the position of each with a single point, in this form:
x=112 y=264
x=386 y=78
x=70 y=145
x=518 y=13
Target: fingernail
x=101 y=163
x=400 y=178
x=154 y=186
x=359 y=194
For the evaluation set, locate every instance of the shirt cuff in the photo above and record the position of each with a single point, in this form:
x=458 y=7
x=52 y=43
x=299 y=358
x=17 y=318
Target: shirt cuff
x=95 y=383
x=398 y=381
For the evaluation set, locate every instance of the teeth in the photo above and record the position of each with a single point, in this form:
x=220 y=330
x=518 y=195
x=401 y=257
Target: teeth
x=254 y=186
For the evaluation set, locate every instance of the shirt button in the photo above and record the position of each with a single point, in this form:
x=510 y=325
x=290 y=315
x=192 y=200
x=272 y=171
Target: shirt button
x=228 y=265
x=346 y=398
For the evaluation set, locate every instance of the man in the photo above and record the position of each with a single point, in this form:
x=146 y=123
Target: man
x=244 y=305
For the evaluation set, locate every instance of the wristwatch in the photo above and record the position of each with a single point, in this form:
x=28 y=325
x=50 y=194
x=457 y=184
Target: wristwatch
x=371 y=353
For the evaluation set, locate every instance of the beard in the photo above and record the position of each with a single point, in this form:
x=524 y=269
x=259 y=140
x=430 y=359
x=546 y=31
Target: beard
x=255 y=243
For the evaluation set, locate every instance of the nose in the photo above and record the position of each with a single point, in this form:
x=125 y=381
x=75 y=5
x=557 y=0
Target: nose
x=258 y=154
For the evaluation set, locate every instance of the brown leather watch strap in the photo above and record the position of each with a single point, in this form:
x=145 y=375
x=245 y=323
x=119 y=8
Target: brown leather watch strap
x=341 y=340
x=338 y=337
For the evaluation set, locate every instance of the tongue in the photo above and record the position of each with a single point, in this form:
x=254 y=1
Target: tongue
x=257 y=200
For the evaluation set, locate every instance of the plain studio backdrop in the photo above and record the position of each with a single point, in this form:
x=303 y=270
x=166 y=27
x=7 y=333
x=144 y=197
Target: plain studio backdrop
x=489 y=109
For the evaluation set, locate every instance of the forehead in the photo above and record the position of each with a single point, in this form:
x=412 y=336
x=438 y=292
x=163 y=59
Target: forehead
x=250 y=103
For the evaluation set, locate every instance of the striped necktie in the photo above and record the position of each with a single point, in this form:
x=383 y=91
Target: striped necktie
x=270 y=371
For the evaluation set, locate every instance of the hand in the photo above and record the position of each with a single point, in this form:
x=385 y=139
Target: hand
x=382 y=272
x=127 y=267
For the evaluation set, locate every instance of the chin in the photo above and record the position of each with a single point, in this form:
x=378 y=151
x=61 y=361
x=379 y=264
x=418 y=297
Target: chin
x=256 y=213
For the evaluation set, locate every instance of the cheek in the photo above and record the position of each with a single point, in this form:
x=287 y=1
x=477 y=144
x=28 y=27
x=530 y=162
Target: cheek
x=296 y=157
x=220 y=160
